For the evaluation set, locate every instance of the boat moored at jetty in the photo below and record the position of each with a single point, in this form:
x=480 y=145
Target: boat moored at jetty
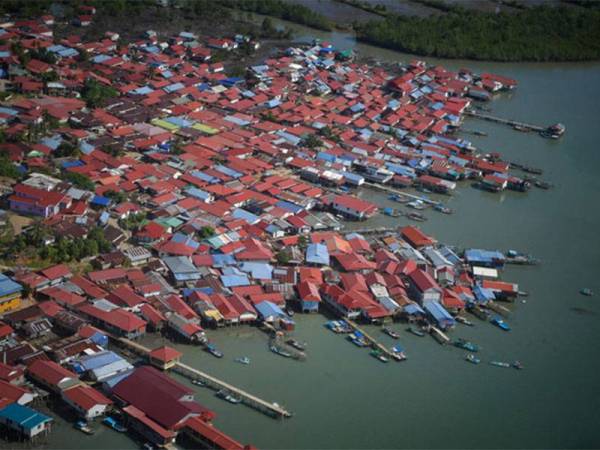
x=466 y=345
x=210 y=348
x=229 y=396
x=500 y=323
x=472 y=359
x=391 y=333
x=114 y=424
x=500 y=364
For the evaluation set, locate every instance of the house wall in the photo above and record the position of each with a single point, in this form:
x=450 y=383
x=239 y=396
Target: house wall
x=9 y=304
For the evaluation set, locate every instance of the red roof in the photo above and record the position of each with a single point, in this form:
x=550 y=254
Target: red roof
x=416 y=237
x=214 y=437
x=49 y=372
x=118 y=318
x=165 y=353
x=55 y=272
x=86 y=397
x=355 y=204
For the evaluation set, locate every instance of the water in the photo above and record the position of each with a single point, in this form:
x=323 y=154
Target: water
x=342 y=397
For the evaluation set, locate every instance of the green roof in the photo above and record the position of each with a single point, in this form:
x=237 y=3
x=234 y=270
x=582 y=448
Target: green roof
x=205 y=128
x=164 y=124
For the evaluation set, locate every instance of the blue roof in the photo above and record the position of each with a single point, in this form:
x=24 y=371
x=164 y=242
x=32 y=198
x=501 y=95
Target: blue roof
x=413 y=308
x=8 y=286
x=227 y=171
x=234 y=280
x=173 y=87
x=188 y=241
x=220 y=260
x=268 y=309
x=69 y=164
x=439 y=314
x=100 y=200
x=205 y=177
x=198 y=193
x=246 y=216
x=23 y=416
x=258 y=270
x=289 y=206
x=483 y=295
x=144 y=90
x=317 y=254
x=478 y=255
x=91 y=362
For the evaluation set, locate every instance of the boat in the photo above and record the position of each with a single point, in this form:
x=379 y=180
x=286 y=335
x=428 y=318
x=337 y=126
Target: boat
x=296 y=344
x=148 y=446
x=391 y=212
x=533 y=170
x=587 y=292
x=442 y=208
x=338 y=326
x=380 y=356
x=210 y=348
x=543 y=184
x=415 y=331
x=479 y=313
x=83 y=426
x=391 y=333
x=398 y=353
x=229 y=396
x=280 y=352
x=554 y=131
x=464 y=321
x=472 y=359
x=500 y=323
x=466 y=345
x=357 y=339
x=197 y=382
x=416 y=216
x=517 y=365
x=243 y=360
x=439 y=336
x=398 y=198
x=114 y=424
x=417 y=204
x=500 y=364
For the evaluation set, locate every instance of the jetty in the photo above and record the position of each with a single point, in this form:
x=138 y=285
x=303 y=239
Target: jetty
x=547 y=131
x=404 y=194
x=373 y=231
x=269 y=408
x=374 y=343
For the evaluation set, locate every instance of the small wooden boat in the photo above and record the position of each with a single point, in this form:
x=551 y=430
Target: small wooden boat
x=243 y=360
x=380 y=356
x=280 y=352
x=472 y=359
x=83 y=426
x=442 y=208
x=114 y=424
x=417 y=204
x=229 y=396
x=289 y=312
x=296 y=344
x=416 y=216
x=391 y=333
x=587 y=292
x=500 y=323
x=466 y=345
x=517 y=365
x=500 y=364
x=415 y=331
x=398 y=353
x=464 y=321
x=210 y=348
x=197 y=382
x=359 y=341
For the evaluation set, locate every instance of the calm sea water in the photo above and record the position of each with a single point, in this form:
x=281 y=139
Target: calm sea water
x=343 y=398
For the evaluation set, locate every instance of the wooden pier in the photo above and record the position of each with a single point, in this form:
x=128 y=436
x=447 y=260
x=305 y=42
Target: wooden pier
x=269 y=408
x=371 y=340
x=373 y=231
x=513 y=123
x=391 y=190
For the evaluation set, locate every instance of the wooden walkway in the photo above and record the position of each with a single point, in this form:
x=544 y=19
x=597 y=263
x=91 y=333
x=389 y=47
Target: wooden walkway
x=270 y=408
x=391 y=190
x=512 y=123
x=371 y=340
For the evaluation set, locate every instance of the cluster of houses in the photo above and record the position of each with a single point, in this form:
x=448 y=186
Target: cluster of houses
x=236 y=188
